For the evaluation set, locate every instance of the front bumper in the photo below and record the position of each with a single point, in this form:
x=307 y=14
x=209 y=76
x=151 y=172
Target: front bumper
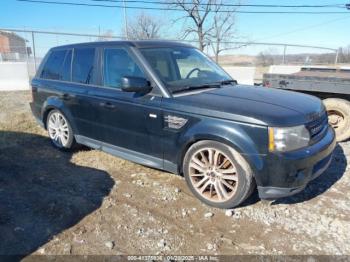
x=289 y=173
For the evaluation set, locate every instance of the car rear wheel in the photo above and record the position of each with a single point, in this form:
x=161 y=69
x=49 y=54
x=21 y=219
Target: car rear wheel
x=60 y=131
x=217 y=174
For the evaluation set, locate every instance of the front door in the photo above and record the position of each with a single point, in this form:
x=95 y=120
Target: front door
x=125 y=120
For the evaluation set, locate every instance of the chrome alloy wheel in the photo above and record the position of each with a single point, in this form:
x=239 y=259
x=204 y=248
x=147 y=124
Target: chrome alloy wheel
x=58 y=129
x=213 y=175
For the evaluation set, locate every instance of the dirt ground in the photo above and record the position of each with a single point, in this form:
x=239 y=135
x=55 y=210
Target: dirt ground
x=88 y=202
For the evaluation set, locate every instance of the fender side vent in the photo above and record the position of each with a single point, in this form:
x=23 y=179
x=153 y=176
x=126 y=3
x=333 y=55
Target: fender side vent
x=174 y=122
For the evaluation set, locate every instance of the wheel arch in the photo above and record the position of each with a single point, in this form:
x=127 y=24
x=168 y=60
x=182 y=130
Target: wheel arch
x=235 y=137
x=54 y=103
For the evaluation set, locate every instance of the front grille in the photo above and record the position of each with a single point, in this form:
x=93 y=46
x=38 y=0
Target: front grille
x=318 y=126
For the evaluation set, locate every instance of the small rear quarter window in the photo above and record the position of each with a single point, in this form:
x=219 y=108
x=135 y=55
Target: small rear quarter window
x=57 y=66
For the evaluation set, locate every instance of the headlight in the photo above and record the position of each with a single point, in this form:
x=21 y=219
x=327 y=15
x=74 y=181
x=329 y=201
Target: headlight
x=288 y=138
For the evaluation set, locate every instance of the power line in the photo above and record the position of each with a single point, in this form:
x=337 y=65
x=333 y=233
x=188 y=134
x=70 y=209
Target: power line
x=303 y=28
x=291 y=32
x=226 y=4
x=177 y=9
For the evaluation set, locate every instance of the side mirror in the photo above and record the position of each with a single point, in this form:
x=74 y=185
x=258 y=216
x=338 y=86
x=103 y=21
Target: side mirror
x=135 y=84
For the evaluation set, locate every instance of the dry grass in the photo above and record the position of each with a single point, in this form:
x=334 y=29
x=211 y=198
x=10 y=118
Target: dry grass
x=74 y=203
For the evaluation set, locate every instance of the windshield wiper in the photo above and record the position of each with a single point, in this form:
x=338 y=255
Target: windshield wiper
x=188 y=88
x=228 y=82
x=207 y=85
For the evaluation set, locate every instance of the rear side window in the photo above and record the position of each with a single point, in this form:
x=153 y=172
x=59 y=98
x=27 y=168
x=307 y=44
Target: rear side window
x=66 y=67
x=83 y=65
x=57 y=66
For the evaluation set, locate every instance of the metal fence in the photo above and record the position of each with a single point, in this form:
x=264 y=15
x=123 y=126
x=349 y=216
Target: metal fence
x=251 y=58
x=281 y=53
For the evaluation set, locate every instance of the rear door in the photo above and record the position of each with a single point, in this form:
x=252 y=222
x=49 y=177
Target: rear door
x=53 y=81
x=84 y=77
x=49 y=71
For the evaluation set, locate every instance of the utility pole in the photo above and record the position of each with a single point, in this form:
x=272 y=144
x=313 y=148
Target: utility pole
x=284 y=54
x=34 y=53
x=125 y=21
x=336 y=56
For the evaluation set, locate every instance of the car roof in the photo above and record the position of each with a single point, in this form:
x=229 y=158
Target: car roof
x=137 y=44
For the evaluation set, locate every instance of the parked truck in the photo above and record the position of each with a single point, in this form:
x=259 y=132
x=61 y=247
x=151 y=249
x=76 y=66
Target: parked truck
x=332 y=85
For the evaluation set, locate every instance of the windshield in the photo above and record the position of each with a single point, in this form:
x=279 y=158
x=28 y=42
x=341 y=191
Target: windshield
x=183 y=67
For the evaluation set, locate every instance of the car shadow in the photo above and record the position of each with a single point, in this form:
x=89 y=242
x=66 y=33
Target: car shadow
x=41 y=192
x=316 y=187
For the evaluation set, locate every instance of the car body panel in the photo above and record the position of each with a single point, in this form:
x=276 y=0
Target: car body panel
x=254 y=105
x=124 y=119
x=294 y=170
x=236 y=134
x=157 y=128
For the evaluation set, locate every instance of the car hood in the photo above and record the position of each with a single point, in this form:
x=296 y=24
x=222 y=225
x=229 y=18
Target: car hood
x=254 y=105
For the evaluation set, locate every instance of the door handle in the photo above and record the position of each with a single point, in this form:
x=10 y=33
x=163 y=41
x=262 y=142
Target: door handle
x=107 y=105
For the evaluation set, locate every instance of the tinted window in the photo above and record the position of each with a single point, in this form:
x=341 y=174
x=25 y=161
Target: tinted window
x=57 y=66
x=118 y=63
x=83 y=65
x=183 y=67
x=66 y=67
x=162 y=63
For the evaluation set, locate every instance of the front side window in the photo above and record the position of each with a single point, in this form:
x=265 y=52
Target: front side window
x=83 y=65
x=57 y=66
x=117 y=63
x=182 y=67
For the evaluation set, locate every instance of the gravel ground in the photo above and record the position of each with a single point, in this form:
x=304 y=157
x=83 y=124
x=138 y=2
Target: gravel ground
x=88 y=202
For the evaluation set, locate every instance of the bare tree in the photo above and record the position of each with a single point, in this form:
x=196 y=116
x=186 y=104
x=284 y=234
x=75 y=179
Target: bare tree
x=212 y=22
x=223 y=29
x=267 y=57
x=344 y=54
x=197 y=11
x=108 y=35
x=144 y=26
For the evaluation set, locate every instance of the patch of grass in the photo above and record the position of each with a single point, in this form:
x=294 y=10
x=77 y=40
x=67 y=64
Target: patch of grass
x=15 y=118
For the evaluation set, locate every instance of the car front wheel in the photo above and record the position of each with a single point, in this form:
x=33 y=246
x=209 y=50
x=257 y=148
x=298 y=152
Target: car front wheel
x=60 y=131
x=217 y=174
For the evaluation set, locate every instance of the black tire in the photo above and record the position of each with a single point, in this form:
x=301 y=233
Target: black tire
x=339 y=117
x=245 y=183
x=70 y=143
